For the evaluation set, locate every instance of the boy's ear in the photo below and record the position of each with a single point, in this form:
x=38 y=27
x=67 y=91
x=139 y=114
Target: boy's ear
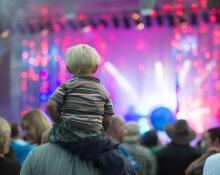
x=95 y=69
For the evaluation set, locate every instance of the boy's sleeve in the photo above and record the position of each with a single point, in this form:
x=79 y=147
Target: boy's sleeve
x=59 y=94
x=109 y=110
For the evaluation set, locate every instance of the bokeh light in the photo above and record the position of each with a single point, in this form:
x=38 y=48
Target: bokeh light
x=140 y=68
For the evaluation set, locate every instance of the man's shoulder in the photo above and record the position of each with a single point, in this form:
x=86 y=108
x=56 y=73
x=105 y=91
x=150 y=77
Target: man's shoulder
x=166 y=149
x=214 y=158
x=45 y=149
x=46 y=146
x=49 y=153
x=212 y=165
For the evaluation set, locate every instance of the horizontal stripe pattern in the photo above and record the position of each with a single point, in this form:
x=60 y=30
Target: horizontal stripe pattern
x=83 y=100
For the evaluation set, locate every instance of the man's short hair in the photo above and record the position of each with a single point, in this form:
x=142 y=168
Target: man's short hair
x=214 y=133
x=82 y=59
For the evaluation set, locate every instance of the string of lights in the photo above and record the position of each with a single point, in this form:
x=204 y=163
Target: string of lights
x=133 y=20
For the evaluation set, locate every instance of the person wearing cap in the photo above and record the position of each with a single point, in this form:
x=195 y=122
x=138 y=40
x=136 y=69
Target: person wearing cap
x=141 y=155
x=212 y=146
x=174 y=158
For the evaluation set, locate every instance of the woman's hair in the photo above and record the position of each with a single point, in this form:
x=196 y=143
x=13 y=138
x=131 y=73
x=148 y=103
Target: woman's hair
x=38 y=121
x=82 y=59
x=214 y=133
x=5 y=132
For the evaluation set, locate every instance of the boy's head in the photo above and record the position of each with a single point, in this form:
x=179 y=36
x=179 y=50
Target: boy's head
x=82 y=59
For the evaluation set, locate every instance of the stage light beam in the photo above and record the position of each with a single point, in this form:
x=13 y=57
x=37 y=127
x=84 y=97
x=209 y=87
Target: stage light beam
x=121 y=80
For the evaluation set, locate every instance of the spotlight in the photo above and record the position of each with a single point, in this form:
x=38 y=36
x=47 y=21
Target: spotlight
x=115 y=22
x=148 y=21
x=137 y=21
x=4 y=34
x=139 y=24
x=56 y=27
x=193 y=19
x=126 y=22
x=171 y=20
x=159 y=20
x=122 y=81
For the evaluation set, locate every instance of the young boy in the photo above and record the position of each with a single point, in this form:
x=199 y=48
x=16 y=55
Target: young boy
x=83 y=103
x=82 y=109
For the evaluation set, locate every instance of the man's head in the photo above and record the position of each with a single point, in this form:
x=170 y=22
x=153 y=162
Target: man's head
x=132 y=133
x=180 y=132
x=117 y=129
x=212 y=137
x=150 y=138
x=34 y=123
x=82 y=59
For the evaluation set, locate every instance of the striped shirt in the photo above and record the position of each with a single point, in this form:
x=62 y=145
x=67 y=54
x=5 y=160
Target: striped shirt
x=84 y=101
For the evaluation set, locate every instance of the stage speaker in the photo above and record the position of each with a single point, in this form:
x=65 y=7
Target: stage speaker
x=213 y=4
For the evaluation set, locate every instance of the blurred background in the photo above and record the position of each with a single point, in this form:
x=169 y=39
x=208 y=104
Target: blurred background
x=160 y=58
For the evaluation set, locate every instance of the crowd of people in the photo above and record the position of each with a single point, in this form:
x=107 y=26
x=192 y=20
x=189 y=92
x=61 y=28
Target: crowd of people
x=88 y=138
x=144 y=153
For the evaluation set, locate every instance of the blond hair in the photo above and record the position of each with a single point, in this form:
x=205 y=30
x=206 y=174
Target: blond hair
x=82 y=59
x=5 y=132
x=39 y=121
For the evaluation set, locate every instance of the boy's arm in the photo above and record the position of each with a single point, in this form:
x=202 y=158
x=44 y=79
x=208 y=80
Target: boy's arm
x=52 y=107
x=106 y=122
x=108 y=111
